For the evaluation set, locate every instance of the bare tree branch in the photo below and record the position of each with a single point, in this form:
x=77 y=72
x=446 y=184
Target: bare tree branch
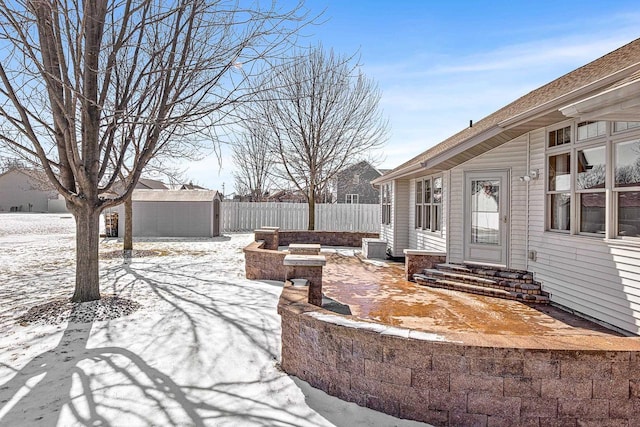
x=320 y=114
x=96 y=90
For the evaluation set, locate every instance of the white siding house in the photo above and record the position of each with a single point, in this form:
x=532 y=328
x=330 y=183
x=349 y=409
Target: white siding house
x=25 y=190
x=550 y=184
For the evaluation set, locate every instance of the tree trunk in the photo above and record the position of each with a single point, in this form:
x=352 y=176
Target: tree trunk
x=87 y=239
x=312 y=213
x=128 y=225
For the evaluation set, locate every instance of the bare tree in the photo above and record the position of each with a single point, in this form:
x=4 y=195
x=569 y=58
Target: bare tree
x=254 y=163
x=93 y=90
x=320 y=114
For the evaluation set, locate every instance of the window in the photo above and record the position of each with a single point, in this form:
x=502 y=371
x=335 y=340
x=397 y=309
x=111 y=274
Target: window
x=356 y=179
x=351 y=198
x=558 y=191
x=419 y=205
x=593 y=179
x=428 y=204
x=386 y=204
x=627 y=187
x=587 y=130
x=560 y=136
x=623 y=126
x=590 y=181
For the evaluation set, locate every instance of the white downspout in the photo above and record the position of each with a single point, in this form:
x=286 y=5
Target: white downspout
x=448 y=215
x=527 y=207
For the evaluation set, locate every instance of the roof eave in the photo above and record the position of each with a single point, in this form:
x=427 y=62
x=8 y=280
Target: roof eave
x=620 y=103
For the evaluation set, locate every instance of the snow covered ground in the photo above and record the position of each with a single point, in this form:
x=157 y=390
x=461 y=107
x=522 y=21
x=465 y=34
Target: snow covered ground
x=201 y=351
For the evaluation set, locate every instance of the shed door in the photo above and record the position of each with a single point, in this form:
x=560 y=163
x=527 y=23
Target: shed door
x=487 y=217
x=216 y=217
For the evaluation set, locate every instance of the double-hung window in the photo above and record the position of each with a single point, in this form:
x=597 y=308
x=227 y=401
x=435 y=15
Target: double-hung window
x=593 y=179
x=626 y=187
x=386 y=204
x=428 y=204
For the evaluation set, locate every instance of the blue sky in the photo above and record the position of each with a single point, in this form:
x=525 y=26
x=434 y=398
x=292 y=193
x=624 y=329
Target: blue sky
x=440 y=64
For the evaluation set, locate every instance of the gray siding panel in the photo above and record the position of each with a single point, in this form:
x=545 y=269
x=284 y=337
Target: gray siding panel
x=400 y=220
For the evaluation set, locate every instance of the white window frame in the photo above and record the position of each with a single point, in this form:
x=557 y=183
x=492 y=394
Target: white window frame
x=349 y=198
x=608 y=140
x=386 y=191
x=427 y=213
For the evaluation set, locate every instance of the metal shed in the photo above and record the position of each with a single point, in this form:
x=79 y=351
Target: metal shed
x=174 y=213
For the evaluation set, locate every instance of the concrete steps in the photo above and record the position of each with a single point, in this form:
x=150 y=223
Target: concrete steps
x=482 y=280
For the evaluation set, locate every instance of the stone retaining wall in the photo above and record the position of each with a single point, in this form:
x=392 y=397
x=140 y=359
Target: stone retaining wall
x=326 y=238
x=264 y=264
x=459 y=382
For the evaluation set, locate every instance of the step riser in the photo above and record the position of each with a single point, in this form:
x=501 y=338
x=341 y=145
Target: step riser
x=527 y=298
x=529 y=288
x=484 y=280
x=515 y=276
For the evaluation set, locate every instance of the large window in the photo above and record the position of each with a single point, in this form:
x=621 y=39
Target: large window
x=593 y=179
x=428 y=204
x=386 y=204
x=627 y=187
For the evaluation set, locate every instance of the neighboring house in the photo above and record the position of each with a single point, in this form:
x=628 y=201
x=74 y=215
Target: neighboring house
x=353 y=184
x=191 y=186
x=173 y=213
x=286 y=196
x=150 y=184
x=549 y=184
x=25 y=190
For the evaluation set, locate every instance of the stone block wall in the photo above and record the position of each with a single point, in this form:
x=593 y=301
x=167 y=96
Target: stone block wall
x=415 y=262
x=434 y=379
x=327 y=238
x=263 y=261
x=270 y=238
x=264 y=264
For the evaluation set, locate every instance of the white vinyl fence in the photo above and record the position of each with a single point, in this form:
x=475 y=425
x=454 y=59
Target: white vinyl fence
x=248 y=216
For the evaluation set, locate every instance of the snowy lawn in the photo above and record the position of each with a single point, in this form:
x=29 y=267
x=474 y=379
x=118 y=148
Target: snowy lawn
x=201 y=350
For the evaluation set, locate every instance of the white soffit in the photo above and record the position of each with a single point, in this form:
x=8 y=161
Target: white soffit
x=621 y=103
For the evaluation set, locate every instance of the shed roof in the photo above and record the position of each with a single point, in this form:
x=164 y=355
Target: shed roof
x=140 y=195
x=539 y=108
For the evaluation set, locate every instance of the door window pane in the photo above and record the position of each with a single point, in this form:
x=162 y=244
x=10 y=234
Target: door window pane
x=591 y=168
x=629 y=213
x=560 y=172
x=485 y=212
x=560 y=211
x=627 y=168
x=592 y=212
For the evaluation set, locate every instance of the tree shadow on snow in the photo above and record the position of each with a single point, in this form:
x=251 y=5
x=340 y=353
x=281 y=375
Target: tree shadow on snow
x=63 y=378
x=97 y=385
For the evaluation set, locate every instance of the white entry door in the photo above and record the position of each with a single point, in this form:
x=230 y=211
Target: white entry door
x=486 y=231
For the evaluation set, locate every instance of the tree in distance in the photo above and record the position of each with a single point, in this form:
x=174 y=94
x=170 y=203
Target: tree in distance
x=318 y=114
